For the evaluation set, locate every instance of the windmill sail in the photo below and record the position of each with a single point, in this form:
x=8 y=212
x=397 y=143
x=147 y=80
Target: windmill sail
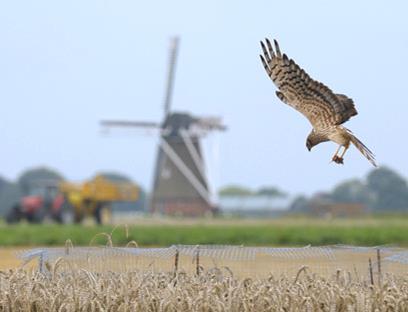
x=170 y=75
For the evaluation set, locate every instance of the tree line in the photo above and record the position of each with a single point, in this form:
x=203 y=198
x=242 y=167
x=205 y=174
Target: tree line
x=381 y=190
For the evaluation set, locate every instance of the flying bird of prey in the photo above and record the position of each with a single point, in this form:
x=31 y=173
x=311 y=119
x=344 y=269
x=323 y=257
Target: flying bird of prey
x=325 y=110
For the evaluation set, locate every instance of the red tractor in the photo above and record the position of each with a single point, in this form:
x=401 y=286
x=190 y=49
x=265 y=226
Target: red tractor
x=45 y=202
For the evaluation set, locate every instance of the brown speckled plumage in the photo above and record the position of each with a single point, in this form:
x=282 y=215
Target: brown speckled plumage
x=325 y=110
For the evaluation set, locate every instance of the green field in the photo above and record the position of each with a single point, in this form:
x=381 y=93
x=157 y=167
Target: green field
x=164 y=232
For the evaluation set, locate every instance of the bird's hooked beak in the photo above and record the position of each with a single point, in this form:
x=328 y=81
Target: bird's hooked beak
x=309 y=145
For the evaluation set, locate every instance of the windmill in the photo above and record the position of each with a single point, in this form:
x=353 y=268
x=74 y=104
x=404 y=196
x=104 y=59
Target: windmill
x=180 y=184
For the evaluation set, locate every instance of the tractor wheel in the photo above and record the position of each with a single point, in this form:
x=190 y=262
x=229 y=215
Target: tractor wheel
x=36 y=217
x=102 y=213
x=14 y=215
x=59 y=218
x=98 y=213
x=78 y=217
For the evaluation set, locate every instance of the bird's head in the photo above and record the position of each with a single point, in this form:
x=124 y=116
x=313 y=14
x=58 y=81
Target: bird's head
x=309 y=144
x=313 y=139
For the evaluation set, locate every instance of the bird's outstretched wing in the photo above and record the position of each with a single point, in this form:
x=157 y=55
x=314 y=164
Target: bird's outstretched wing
x=313 y=99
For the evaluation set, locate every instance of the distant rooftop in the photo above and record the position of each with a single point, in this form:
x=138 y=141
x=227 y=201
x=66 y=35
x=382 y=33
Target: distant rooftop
x=254 y=203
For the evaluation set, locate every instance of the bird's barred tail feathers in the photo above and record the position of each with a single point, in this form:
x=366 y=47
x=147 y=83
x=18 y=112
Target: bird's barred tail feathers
x=363 y=149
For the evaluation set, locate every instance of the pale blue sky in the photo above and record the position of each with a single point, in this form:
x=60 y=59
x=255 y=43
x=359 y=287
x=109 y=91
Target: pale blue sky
x=64 y=65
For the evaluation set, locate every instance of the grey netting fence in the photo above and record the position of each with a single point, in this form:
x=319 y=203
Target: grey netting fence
x=361 y=262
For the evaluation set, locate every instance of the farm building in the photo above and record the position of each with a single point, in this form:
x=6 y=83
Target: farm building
x=333 y=210
x=254 y=205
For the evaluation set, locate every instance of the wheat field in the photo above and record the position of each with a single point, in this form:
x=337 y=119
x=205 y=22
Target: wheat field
x=212 y=290
x=206 y=278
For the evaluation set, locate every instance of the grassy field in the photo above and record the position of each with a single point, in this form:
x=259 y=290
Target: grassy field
x=164 y=232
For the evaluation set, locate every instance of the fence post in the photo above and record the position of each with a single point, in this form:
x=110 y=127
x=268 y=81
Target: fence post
x=379 y=267
x=370 y=268
x=176 y=262
x=198 y=260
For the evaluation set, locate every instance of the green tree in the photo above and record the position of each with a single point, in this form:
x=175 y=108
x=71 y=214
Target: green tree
x=390 y=189
x=300 y=204
x=235 y=190
x=9 y=195
x=3 y=183
x=36 y=178
x=271 y=191
x=352 y=191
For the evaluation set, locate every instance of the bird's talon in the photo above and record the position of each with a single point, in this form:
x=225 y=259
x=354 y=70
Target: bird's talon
x=338 y=160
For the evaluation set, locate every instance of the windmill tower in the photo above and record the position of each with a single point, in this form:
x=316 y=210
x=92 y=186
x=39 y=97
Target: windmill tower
x=180 y=184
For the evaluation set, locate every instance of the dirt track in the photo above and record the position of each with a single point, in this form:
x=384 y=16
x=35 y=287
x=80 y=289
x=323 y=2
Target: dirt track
x=8 y=258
